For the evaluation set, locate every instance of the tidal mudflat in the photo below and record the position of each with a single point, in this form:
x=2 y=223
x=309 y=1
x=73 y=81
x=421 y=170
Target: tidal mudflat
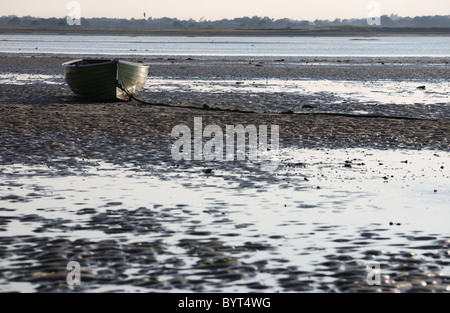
x=96 y=183
x=315 y=225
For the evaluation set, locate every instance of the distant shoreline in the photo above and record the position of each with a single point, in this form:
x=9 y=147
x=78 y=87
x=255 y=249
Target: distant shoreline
x=340 y=31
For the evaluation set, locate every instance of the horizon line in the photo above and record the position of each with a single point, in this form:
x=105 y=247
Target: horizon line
x=237 y=17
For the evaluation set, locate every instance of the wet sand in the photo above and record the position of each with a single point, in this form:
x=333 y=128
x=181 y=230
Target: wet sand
x=47 y=132
x=43 y=108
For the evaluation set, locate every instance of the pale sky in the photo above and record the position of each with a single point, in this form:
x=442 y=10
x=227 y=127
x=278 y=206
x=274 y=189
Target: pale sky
x=218 y=9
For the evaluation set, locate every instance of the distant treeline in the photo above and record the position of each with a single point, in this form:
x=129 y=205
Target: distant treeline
x=255 y=22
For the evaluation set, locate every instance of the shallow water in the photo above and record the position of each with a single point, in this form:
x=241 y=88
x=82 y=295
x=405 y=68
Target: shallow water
x=31 y=79
x=379 y=97
x=309 y=226
x=357 y=97
x=91 y=45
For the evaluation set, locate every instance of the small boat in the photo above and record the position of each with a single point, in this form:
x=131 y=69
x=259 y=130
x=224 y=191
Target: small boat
x=105 y=79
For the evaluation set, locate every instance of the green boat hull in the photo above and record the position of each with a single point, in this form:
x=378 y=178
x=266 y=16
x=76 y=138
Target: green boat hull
x=105 y=79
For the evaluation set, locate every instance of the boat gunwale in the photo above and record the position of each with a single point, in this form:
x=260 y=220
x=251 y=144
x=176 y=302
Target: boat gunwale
x=75 y=63
x=133 y=64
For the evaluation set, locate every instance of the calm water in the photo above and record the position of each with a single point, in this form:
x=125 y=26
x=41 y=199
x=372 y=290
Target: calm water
x=225 y=46
x=303 y=228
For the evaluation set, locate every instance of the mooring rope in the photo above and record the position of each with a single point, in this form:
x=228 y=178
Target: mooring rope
x=206 y=107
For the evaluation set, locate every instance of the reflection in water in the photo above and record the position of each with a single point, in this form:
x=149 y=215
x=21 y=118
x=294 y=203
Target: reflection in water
x=121 y=46
x=30 y=79
x=380 y=97
x=321 y=212
x=331 y=91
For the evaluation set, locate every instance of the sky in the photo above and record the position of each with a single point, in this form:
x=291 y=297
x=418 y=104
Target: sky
x=219 y=9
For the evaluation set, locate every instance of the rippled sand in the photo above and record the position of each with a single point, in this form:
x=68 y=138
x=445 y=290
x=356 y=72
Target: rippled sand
x=95 y=183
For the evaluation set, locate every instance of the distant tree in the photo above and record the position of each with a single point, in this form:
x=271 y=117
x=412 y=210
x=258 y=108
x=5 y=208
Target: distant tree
x=337 y=22
x=177 y=24
x=386 y=21
x=303 y=24
x=85 y=22
x=15 y=21
x=245 y=22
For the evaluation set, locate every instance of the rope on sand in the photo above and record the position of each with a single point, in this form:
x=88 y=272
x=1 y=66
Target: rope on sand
x=206 y=107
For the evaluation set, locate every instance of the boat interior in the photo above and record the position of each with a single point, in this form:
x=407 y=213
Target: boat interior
x=87 y=62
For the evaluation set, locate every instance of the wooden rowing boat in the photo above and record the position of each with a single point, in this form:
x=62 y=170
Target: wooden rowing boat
x=105 y=79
